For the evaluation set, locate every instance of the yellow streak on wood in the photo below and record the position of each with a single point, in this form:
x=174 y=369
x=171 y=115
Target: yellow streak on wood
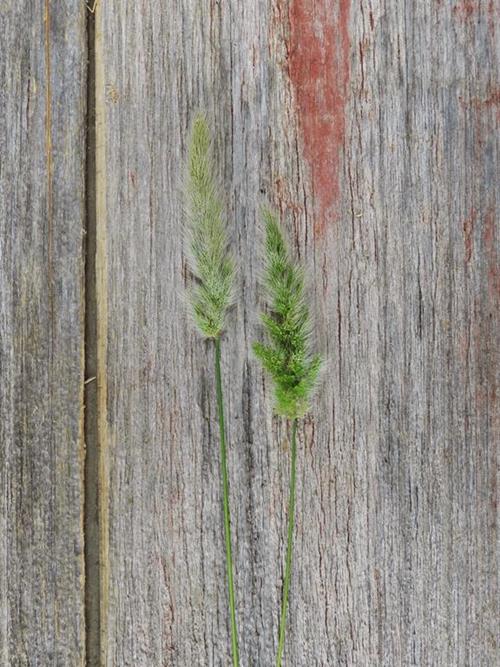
x=102 y=333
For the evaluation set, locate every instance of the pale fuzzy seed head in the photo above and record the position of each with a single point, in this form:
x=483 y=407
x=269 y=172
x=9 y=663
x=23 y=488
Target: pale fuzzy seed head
x=288 y=357
x=206 y=237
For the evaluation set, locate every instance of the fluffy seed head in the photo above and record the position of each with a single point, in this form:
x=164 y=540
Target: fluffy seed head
x=288 y=357
x=207 y=240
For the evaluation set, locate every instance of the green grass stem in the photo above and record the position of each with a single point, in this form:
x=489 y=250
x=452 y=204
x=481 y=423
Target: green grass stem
x=289 y=545
x=225 y=503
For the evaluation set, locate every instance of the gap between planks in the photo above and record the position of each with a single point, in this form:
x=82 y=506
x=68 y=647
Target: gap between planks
x=95 y=387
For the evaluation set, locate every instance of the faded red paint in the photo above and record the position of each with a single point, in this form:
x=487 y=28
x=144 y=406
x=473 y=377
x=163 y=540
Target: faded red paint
x=318 y=66
x=468 y=234
x=485 y=114
x=470 y=11
x=465 y=9
x=492 y=101
x=489 y=230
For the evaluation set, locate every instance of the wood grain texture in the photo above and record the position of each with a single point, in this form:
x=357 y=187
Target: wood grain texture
x=396 y=105
x=42 y=158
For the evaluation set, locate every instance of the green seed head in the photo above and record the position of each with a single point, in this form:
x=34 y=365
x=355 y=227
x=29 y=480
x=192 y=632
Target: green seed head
x=287 y=357
x=209 y=260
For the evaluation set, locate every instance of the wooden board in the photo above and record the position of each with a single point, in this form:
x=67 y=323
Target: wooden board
x=374 y=133
x=42 y=167
x=373 y=128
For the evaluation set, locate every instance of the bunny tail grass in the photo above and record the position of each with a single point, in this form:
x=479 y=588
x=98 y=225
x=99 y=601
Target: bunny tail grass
x=290 y=363
x=209 y=260
x=213 y=269
x=288 y=358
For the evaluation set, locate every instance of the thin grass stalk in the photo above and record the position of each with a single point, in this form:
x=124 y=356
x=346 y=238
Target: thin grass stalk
x=289 y=545
x=225 y=503
x=288 y=358
x=210 y=295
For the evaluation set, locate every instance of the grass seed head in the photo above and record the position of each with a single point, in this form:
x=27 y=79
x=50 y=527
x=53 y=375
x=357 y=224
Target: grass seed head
x=207 y=239
x=287 y=357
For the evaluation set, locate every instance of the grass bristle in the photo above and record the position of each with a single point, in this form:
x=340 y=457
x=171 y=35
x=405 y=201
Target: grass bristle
x=209 y=259
x=287 y=357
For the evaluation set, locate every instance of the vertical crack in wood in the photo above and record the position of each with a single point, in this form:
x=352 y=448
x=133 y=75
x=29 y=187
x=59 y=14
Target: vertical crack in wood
x=102 y=335
x=91 y=518
x=96 y=468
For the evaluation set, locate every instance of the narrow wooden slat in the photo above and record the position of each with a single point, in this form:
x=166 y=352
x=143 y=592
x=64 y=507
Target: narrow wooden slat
x=371 y=127
x=42 y=158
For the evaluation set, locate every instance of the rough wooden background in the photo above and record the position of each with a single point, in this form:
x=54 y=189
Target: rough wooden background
x=42 y=159
x=373 y=128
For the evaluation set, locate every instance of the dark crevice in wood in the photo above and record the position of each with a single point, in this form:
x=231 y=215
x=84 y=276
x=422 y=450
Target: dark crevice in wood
x=91 y=505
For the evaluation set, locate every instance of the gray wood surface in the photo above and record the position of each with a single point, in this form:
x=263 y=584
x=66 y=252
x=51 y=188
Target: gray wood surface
x=372 y=126
x=42 y=160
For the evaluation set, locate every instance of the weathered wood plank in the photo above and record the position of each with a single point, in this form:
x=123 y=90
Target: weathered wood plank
x=372 y=127
x=42 y=158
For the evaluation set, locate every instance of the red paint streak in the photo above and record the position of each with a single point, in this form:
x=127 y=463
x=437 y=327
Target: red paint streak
x=491 y=102
x=468 y=234
x=489 y=230
x=318 y=65
x=465 y=9
x=491 y=254
x=493 y=13
x=482 y=105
